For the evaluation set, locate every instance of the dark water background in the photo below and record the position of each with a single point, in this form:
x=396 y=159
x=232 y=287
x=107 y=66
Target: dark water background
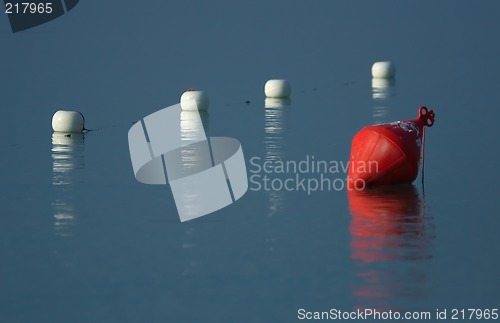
x=82 y=241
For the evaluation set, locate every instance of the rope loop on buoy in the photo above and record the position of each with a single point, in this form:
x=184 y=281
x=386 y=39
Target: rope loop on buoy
x=426 y=116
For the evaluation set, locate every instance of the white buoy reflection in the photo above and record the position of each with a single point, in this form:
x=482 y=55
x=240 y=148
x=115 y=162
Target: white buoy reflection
x=64 y=217
x=68 y=165
x=194 y=157
x=277 y=102
x=391 y=243
x=274 y=127
x=190 y=247
x=383 y=90
x=194 y=127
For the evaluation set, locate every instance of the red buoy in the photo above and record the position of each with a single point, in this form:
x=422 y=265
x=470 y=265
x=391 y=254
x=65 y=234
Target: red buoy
x=388 y=153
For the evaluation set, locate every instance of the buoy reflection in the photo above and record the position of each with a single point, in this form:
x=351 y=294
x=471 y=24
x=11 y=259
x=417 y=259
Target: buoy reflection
x=391 y=240
x=68 y=164
x=383 y=90
x=194 y=125
x=194 y=128
x=190 y=247
x=195 y=156
x=274 y=127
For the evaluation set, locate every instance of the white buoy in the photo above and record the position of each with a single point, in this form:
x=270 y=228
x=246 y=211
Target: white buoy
x=277 y=89
x=68 y=121
x=194 y=100
x=383 y=70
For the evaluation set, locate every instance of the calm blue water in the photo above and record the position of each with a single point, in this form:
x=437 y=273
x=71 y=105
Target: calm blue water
x=82 y=241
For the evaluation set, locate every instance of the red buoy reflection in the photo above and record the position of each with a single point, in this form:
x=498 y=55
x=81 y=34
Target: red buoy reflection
x=390 y=245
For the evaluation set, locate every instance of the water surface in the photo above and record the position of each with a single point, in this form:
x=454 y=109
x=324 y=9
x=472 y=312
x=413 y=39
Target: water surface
x=82 y=240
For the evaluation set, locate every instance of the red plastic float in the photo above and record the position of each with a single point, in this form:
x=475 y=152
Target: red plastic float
x=389 y=153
